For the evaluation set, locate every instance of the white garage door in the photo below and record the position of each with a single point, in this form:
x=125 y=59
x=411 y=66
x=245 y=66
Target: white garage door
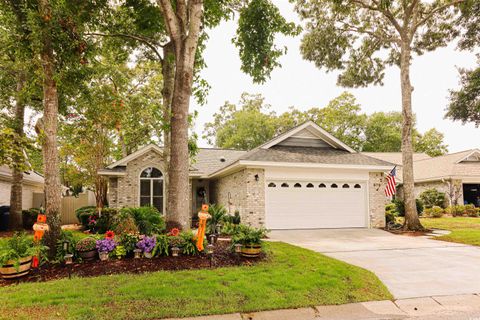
x=315 y=204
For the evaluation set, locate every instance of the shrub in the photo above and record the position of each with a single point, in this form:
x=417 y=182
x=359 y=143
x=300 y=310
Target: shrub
x=218 y=213
x=84 y=213
x=105 y=220
x=434 y=212
x=433 y=197
x=235 y=219
x=390 y=212
x=471 y=211
x=123 y=223
x=72 y=239
x=400 y=205
x=17 y=247
x=456 y=211
x=129 y=241
x=229 y=228
x=86 y=244
x=148 y=219
x=189 y=243
x=246 y=235
x=29 y=217
x=162 y=246
x=120 y=252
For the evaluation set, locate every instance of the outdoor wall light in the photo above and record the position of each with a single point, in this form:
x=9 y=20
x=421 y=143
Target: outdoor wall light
x=257 y=177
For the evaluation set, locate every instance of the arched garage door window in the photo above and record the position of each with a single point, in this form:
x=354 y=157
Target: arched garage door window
x=151 y=188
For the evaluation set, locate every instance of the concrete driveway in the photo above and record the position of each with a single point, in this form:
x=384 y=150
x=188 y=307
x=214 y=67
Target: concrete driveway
x=409 y=266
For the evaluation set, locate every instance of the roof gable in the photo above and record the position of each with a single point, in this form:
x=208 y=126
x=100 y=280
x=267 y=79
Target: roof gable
x=308 y=134
x=136 y=154
x=473 y=156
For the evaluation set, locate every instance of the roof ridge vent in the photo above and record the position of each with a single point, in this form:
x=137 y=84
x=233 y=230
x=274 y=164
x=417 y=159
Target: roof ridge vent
x=222 y=159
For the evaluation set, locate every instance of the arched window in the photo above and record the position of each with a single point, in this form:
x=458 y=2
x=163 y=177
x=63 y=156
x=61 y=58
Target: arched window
x=345 y=186
x=284 y=185
x=334 y=185
x=297 y=185
x=357 y=186
x=272 y=185
x=151 y=188
x=322 y=185
x=310 y=185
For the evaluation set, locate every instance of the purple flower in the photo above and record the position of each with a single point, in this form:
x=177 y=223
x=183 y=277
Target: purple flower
x=106 y=245
x=147 y=244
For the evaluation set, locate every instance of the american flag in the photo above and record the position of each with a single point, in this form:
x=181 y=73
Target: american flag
x=391 y=189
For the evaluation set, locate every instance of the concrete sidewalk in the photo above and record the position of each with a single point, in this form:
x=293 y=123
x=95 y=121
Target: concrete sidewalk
x=456 y=307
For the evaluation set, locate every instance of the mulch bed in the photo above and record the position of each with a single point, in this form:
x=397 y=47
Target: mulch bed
x=223 y=257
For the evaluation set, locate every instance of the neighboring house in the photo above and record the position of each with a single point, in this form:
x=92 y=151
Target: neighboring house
x=304 y=178
x=456 y=174
x=32 y=192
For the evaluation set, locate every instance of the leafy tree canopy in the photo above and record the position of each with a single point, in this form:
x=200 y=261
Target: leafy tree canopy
x=252 y=123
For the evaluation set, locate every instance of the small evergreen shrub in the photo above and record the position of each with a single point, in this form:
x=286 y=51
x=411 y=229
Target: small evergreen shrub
x=433 y=197
x=148 y=219
x=84 y=213
x=471 y=211
x=434 y=212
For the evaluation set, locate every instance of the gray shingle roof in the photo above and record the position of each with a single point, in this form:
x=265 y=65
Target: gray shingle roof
x=312 y=155
x=396 y=157
x=209 y=160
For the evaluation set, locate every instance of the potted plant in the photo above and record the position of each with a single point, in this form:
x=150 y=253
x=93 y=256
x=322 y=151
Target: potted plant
x=147 y=244
x=87 y=248
x=104 y=247
x=16 y=256
x=251 y=240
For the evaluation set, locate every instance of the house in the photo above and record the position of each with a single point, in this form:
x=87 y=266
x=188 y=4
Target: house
x=32 y=192
x=456 y=174
x=304 y=178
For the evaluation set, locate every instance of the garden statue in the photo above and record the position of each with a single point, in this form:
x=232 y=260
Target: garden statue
x=40 y=227
x=203 y=215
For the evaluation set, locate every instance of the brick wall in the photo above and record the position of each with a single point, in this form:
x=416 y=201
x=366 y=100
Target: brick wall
x=240 y=191
x=377 y=199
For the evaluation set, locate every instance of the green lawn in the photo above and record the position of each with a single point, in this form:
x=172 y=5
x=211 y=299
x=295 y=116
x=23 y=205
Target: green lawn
x=293 y=277
x=464 y=230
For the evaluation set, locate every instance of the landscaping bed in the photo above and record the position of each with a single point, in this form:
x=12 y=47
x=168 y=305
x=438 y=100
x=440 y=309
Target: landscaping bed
x=291 y=277
x=222 y=257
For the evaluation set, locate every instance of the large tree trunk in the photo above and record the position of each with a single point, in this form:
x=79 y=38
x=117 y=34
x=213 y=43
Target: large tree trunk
x=178 y=171
x=168 y=72
x=49 y=136
x=17 y=175
x=412 y=222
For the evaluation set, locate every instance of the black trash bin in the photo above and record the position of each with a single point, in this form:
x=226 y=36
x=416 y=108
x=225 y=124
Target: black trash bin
x=4 y=217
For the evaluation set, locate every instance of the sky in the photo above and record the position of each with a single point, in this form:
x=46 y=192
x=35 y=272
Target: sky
x=300 y=84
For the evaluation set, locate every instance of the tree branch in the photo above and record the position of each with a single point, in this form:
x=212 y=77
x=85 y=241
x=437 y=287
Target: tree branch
x=434 y=11
x=196 y=19
x=148 y=42
x=171 y=21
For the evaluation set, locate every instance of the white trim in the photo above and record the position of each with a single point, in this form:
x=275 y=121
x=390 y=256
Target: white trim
x=324 y=135
x=135 y=155
x=111 y=173
x=240 y=164
x=468 y=156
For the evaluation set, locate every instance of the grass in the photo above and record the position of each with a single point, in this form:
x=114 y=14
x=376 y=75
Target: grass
x=293 y=277
x=464 y=230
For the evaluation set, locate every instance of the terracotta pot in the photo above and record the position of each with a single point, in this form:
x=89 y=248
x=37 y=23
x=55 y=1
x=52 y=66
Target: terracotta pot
x=88 y=255
x=8 y=271
x=251 y=250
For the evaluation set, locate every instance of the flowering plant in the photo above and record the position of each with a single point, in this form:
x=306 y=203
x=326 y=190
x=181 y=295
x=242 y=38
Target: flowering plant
x=147 y=244
x=86 y=244
x=109 y=235
x=92 y=222
x=106 y=245
x=174 y=232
